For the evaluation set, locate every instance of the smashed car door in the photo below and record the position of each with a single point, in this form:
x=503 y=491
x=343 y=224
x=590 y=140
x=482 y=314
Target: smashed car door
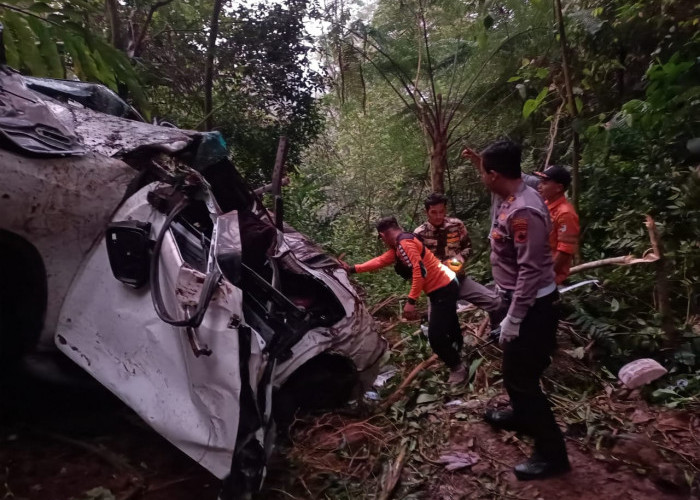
x=185 y=382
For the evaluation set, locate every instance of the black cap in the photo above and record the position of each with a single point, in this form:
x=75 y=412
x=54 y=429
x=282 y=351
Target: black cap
x=556 y=173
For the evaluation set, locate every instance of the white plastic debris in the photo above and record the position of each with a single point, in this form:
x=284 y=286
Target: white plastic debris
x=640 y=372
x=372 y=396
x=456 y=402
x=385 y=376
x=424 y=330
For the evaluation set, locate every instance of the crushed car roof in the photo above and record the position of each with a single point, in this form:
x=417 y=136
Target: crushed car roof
x=44 y=117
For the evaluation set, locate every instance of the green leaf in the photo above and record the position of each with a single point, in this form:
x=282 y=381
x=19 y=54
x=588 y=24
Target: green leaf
x=48 y=48
x=529 y=106
x=614 y=305
x=82 y=59
x=27 y=48
x=532 y=104
x=474 y=366
x=514 y=79
x=11 y=50
x=41 y=8
x=579 y=104
x=542 y=72
x=106 y=73
x=543 y=93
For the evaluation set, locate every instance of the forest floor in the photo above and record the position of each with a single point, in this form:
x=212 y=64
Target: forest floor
x=66 y=444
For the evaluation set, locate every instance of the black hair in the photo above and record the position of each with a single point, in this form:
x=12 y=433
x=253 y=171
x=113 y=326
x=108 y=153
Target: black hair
x=386 y=223
x=435 y=199
x=503 y=157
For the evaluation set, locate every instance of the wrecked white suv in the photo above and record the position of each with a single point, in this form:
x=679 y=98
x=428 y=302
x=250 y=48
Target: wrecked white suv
x=141 y=253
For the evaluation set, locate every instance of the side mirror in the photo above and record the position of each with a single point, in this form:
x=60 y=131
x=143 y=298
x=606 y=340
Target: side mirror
x=128 y=249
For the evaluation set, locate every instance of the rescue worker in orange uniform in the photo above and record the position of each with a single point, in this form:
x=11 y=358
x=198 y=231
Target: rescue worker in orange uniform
x=449 y=241
x=427 y=274
x=521 y=261
x=563 y=238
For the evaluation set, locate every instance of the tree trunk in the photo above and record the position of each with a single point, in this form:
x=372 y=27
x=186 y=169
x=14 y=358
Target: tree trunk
x=209 y=65
x=575 y=184
x=115 y=25
x=438 y=162
x=663 y=294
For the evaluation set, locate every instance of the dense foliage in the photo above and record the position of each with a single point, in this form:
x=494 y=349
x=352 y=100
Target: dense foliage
x=634 y=76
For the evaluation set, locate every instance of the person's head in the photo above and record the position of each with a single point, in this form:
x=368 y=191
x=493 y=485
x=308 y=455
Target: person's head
x=554 y=182
x=388 y=229
x=500 y=164
x=436 y=208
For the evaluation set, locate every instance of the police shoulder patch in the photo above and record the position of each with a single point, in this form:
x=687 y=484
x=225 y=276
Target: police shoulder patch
x=519 y=227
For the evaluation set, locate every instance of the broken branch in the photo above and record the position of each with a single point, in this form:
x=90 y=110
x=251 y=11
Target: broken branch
x=393 y=475
x=383 y=303
x=627 y=260
x=614 y=261
x=268 y=187
x=407 y=381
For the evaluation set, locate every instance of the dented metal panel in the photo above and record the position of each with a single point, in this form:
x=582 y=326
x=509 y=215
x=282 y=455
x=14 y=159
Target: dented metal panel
x=354 y=336
x=113 y=136
x=113 y=332
x=61 y=206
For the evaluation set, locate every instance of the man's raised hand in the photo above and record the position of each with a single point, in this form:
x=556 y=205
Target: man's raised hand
x=471 y=155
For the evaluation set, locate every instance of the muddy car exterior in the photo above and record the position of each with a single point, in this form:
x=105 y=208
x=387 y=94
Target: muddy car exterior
x=142 y=255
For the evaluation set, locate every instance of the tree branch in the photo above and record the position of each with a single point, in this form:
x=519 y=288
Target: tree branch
x=209 y=64
x=553 y=129
x=626 y=260
x=142 y=35
x=26 y=13
x=115 y=25
x=407 y=381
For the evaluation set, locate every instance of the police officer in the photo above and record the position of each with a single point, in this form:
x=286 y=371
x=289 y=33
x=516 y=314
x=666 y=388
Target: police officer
x=429 y=275
x=521 y=262
x=448 y=239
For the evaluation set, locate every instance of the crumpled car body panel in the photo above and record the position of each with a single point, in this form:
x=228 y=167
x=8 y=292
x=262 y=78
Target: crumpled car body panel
x=113 y=332
x=62 y=205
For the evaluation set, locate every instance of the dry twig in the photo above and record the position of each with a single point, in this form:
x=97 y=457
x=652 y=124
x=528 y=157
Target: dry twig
x=383 y=303
x=393 y=475
x=407 y=381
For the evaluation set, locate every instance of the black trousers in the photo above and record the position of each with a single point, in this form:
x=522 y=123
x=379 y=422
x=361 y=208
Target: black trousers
x=524 y=361
x=444 y=334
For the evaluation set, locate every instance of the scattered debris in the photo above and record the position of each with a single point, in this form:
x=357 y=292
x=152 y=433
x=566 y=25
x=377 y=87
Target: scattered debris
x=640 y=372
x=456 y=460
x=387 y=373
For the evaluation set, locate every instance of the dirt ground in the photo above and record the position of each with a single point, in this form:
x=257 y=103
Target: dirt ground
x=59 y=443
x=67 y=444
x=589 y=479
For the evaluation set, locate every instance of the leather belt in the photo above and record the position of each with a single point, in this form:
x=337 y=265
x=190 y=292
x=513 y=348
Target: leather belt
x=542 y=292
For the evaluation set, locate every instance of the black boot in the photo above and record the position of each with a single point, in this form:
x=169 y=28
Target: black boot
x=502 y=419
x=537 y=467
